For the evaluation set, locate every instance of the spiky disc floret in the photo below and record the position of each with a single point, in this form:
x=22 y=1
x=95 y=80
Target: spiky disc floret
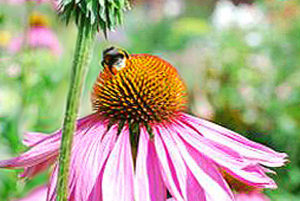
x=98 y=14
x=147 y=89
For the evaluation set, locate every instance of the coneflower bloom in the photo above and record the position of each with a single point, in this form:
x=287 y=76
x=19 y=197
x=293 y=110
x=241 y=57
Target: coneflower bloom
x=140 y=145
x=39 y=35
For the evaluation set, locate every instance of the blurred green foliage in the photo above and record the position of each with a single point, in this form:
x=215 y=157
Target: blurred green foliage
x=241 y=74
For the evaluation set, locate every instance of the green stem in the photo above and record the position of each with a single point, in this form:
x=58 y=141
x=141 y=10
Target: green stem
x=81 y=61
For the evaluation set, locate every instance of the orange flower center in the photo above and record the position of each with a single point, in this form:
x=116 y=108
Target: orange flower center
x=145 y=89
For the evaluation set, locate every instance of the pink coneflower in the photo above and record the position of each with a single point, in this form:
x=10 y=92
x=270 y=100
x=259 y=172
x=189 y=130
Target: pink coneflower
x=39 y=35
x=38 y=194
x=140 y=145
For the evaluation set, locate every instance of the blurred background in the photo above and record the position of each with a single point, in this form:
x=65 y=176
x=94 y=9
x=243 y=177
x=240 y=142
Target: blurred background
x=240 y=60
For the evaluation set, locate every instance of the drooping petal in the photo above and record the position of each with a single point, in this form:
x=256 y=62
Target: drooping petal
x=203 y=162
x=89 y=155
x=223 y=157
x=167 y=168
x=37 y=154
x=149 y=185
x=194 y=191
x=249 y=149
x=31 y=138
x=96 y=193
x=253 y=176
x=51 y=193
x=247 y=171
x=208 y=184
x=30 y=172
x=45 y=148
x=118 y=180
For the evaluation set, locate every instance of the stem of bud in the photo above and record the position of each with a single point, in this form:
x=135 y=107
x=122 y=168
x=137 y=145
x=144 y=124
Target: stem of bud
x=83 y=51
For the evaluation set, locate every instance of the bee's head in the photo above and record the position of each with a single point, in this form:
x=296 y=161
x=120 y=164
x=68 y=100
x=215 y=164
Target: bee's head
x=114 y=59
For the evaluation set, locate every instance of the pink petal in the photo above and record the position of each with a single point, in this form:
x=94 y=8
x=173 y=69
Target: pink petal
x=37 y=154
x=88 y=159
x=211 y=185
x=243 y=170
x=30 y=172
x=31 y=138
x=249 y=149
x=96 y=193
x=118 y=180
x=46 y=148
x=224 y=157
x=149 y=185
x=51 y=194
x=89 y=153
x=168 y=172
x=194 y=190
x=253 y=176
x=52 y=187
x=207 y=165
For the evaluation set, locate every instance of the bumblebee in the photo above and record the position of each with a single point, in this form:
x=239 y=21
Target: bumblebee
x=114 y=59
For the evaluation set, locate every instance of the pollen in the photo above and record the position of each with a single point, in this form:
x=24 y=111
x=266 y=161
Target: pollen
x=147 y=89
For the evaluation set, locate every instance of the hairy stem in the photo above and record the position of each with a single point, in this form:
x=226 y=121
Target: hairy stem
x=81 y=61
